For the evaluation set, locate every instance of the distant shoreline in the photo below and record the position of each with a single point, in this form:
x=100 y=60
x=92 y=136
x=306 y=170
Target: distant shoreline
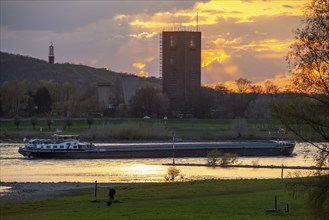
x=252 y=166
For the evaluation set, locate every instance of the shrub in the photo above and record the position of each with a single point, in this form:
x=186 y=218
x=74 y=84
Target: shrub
x=172 y=173
x=255 y=163
x=215 y=156
x=228 y=158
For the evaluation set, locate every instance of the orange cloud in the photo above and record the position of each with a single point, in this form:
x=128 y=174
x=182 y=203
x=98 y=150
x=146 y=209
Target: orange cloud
x=229 y=85
x=244 y=11
x=231 y=69
x=225 y=38
x=210 y=12
x=281 y=81
x=140 y=67
x=266 y=45
x=143 y=35
x=213 y=55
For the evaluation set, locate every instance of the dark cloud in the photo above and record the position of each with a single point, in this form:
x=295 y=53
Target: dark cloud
x=68 y=15
x=278 y=27
x=255 y=67
x=101 y=34
x=261 y=27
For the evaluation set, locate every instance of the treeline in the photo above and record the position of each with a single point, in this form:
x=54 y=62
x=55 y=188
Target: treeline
x=49 y=98
x=46 y=98
x=249 y=101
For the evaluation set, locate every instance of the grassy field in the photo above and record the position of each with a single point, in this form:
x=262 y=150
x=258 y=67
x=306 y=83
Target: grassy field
x=211 y=199
x=199 y=129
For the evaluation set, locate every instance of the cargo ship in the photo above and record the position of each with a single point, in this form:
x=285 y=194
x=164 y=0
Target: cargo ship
x=70 y=147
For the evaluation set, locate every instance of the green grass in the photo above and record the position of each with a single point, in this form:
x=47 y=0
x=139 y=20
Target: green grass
x=211 y=199
x=197 y=129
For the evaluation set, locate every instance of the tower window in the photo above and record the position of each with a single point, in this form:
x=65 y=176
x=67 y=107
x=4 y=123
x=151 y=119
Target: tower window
x=193 y=42
x=172 y=42
x=173 y=63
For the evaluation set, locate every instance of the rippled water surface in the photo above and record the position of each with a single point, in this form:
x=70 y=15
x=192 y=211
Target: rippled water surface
x=16 y=168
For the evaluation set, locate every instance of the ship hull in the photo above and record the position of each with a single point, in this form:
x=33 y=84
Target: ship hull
x=164 y=150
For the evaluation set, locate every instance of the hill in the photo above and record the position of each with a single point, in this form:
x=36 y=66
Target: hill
x=18 y=67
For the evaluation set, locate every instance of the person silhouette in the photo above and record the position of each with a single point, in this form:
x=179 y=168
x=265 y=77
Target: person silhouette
x=111 y=196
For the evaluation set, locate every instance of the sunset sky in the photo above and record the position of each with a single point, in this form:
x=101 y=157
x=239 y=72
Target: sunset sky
x=240 y=38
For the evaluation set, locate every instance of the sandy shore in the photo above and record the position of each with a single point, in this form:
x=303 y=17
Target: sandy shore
x=26 y=191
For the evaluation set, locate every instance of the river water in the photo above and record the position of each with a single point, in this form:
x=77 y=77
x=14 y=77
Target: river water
x=15 y=168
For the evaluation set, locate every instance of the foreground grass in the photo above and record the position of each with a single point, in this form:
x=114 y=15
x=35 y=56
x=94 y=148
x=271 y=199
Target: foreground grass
x=222 y=199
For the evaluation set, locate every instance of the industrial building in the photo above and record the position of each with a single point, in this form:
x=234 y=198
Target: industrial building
x=180 y=66
x=104 y=94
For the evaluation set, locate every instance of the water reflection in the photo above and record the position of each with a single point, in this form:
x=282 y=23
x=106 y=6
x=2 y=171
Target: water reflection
x=15 y=168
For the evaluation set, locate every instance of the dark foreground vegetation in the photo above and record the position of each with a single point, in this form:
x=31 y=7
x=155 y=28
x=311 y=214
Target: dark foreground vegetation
x=211 y=199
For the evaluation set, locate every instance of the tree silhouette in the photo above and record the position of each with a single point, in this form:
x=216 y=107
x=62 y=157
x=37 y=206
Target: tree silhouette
x=309 y=59
x=34 y=121
x=49 y=121
x=68 y=122
x=309 y=55
x=306 y=114
x=17 y=121
x=243 y=85
x=148 y=101
x=43 y=100
x=90 y=120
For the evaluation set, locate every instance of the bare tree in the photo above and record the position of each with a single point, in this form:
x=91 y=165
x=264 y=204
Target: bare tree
x=243 y=85
x=270 y=88
x=172 y=173
x=309 y=55
x=306 y=113
x=221 y=88
x=256 y=89
x=309 y=60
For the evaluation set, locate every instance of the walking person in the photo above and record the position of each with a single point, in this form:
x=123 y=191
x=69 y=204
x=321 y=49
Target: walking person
x=111 y=196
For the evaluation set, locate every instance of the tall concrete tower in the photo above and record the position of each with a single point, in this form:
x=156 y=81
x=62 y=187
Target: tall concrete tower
x=181 y=66
x=51 y=56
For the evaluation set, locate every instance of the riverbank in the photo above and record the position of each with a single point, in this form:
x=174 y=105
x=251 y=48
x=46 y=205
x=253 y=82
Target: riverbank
x=138 y=129
x=208 y=199
x=249 y=166
x=26 y=191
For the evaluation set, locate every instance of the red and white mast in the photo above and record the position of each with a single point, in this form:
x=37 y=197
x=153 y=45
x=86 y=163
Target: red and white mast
x=51 y=54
